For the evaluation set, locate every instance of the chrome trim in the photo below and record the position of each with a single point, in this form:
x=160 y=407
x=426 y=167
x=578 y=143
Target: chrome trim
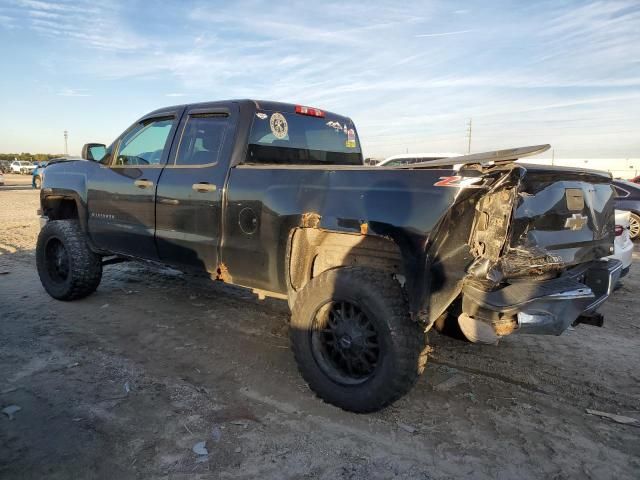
x=585 y=292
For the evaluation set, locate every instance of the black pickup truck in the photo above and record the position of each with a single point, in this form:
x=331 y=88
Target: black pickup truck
x=275 y=197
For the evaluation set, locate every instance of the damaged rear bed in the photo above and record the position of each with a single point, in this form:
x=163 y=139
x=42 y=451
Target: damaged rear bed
x=536 y=236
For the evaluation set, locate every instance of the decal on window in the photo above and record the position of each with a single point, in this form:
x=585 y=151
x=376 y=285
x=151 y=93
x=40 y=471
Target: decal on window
x=278 y=125
x=351 y=138
x=335 y=125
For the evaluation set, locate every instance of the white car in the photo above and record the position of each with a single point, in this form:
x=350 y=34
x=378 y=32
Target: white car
x=623 y=246
x=22 y=167
x=410 y=158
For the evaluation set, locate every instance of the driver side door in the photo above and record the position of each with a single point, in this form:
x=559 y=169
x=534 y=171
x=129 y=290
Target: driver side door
x=121 y=197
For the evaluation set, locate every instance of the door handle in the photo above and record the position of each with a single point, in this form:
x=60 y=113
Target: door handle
x=204 y=187
x=143 y=183
x=169 y=201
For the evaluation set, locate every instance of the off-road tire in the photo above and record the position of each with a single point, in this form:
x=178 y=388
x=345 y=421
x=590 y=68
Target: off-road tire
x=403 y=347
x=84 y=266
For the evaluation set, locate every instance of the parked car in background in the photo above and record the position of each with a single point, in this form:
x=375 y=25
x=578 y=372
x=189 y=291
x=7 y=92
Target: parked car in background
x=623 y=245
x=1 y=178
x=15 y=167
x=628 y=199
x=411 y=158
x=38 y=174
x=5 y=166
x=635 y=179
x=22 y=167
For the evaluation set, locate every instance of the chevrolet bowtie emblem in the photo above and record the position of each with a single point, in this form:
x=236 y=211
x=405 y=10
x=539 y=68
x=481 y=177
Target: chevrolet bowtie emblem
x=576 y=222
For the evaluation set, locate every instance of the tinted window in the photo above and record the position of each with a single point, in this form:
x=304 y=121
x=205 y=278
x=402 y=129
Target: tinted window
x=620 y=192
x=290 y=138
x=145 y=144
x=202 y=140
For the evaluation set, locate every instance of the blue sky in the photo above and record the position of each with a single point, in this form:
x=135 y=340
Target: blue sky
x=410 y=74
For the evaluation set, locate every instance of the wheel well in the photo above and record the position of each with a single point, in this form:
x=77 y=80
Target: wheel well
x=60 y=208
x=313 y=251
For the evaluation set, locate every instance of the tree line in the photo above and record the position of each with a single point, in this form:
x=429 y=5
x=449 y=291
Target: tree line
x=30 y=157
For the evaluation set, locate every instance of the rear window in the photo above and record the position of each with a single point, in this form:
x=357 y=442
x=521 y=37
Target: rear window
x=294 y=139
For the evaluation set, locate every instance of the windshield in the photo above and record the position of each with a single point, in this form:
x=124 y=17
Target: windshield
x=294 y=139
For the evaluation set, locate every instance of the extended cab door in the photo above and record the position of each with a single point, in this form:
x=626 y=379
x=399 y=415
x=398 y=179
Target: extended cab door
x=121 y=196
x=190 y=189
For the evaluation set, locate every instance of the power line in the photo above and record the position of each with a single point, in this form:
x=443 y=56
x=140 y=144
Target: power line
x=469 y=136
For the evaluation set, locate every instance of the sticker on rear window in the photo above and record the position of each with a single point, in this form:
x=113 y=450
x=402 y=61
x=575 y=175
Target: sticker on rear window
x=278 y=125
x=351 y=138
x=335 y=125
x=261 y=115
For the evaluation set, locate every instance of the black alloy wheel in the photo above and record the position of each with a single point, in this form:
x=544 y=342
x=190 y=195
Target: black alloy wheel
x=57 y=260
x=344 y=342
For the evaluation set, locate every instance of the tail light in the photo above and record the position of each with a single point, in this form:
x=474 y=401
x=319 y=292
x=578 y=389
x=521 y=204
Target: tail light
x=619 y=230
x=312 y=112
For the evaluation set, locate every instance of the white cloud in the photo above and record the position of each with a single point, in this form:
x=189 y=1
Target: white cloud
x=70 y=92
x=41 y=5
x=7 y=21
x=443 y=34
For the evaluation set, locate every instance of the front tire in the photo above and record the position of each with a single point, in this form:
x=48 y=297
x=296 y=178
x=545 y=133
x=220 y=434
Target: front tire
x=67 y=267
x=353 y=339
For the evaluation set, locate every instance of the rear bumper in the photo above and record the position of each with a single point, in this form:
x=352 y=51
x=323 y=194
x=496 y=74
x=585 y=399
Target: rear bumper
x=546 y=307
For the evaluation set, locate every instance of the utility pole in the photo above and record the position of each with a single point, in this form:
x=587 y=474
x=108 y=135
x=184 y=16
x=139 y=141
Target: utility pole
x=66 y=147
x=469 y=136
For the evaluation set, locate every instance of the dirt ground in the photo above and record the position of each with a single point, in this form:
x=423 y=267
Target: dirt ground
x=125 y=383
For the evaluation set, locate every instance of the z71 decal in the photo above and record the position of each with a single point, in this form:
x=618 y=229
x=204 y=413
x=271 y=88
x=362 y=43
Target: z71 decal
x=457 y=181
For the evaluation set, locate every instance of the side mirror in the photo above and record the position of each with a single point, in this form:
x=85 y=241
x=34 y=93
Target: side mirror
x=94 y=151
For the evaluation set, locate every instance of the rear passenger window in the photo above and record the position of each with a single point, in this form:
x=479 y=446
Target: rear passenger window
x=202 y=139
x=621 y=192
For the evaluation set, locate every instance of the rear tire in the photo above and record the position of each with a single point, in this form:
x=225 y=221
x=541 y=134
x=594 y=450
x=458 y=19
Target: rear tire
x=353 y=339
x=67 y=267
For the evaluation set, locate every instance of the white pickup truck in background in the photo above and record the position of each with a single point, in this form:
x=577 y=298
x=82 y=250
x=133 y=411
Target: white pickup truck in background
x=22 y=167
